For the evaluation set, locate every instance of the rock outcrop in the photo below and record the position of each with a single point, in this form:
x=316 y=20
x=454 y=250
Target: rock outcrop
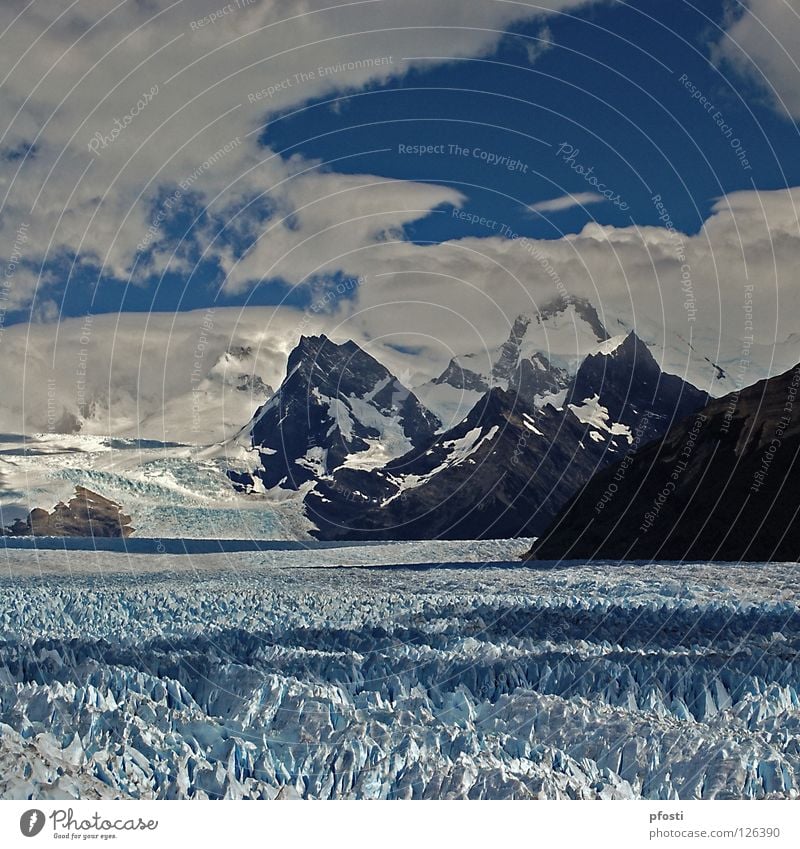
x=87 y=514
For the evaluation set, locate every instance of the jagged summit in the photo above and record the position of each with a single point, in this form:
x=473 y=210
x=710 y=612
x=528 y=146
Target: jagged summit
x=536 y=377
x=582 y=308
x=626 y=379
x=337 y=405
x=562 y=331
x=610 y=346
x=372 y=461
x=459 y=376
x=542 y=350
x=508 y=360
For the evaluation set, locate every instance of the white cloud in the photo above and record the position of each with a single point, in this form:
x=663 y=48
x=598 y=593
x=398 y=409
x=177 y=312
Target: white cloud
x=156 y=376
x=157 y=89
x=543 y=43
x=86 y=71
x=763 y=42
x=416 y=306
x=462 y=296
x=559 y=204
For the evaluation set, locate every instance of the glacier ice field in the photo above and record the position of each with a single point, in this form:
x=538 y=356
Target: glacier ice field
x=407 y=670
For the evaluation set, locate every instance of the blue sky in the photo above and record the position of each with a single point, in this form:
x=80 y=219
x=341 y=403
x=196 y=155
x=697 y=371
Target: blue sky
x=634 y=93
x=610 y=87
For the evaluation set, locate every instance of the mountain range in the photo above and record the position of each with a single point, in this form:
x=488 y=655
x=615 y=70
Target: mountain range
x=371 y=460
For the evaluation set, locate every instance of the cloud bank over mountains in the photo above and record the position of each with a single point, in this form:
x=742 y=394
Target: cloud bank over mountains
x=133 y=146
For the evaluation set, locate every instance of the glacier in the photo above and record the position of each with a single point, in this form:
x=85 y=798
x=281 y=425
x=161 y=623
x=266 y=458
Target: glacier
x=399 y=670
x=170 y=490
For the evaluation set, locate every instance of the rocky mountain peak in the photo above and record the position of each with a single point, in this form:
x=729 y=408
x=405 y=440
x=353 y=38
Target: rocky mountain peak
x=508 y=358
x=624 y=378
x=337 y=405
x=377 y=467
x=583 y=309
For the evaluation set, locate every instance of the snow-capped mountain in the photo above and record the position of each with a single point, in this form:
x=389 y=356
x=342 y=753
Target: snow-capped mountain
x=495 y=474
x=364 y=451
x=716 y=360
x=537 y=378
x=720 y=486
x=537 y=358
x=337 y=407
x=512 y=462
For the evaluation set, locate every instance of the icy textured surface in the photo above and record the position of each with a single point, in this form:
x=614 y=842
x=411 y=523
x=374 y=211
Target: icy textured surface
x=251 y=675
x=169 y=490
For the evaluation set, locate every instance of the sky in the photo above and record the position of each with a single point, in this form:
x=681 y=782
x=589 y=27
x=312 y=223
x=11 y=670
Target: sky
x=454 y=163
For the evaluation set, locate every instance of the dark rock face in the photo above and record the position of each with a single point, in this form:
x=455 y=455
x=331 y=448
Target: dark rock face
x=253 y=384
x=510 y=369
x=502 y=472
x=721 y=485
x=509 y=353
x=87 y=514
x=240 y=352
x=537 y=376
x=583 y=308
x=526 y=377
x=333 y=400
